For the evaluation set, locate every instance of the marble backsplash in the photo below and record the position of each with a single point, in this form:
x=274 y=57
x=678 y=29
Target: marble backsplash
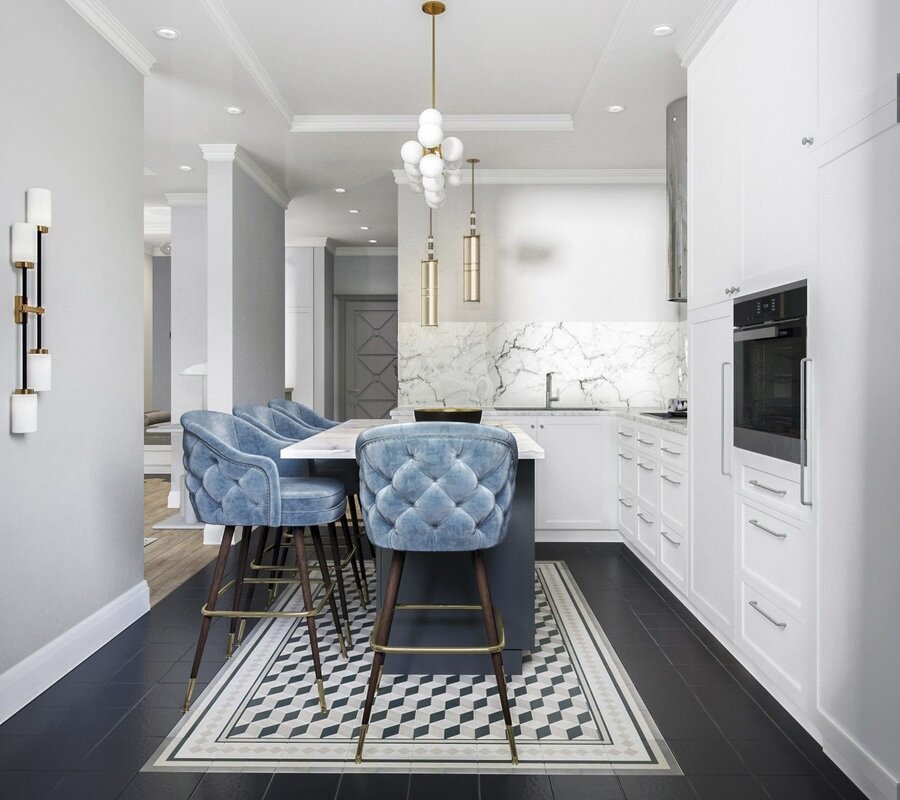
x=505 y=363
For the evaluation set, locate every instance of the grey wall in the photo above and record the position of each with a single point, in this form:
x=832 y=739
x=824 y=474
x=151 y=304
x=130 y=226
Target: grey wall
x=362 y=275
x=162 y=342
x=328 y=339
x=71 y=493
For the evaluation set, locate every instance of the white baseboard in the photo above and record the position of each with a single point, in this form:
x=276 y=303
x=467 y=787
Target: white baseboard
x=174 y=499
x=856 y=762
x=20 y=684
x=545 y=535
x=157 y=459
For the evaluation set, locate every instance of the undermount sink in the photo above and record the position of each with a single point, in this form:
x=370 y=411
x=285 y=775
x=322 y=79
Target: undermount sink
x=552 y=408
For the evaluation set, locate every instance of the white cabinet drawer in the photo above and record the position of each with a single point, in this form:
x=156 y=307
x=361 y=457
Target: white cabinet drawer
x=627 y=514
x=628 y=469
x=648 y=480
x=625 y=435
x=646 y=441
x=773 y=490
x=774 y=639
x=646 y=530
x=774 y=554
x=673 y=553
x=673 y=450
x=673 y=494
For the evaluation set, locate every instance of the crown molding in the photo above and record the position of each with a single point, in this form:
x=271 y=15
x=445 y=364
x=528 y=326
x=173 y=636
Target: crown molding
x=703 y=28
x=409 y=123
x=623 y=10
x=512 y=177
x=102 y=20
x=365 y=251
x=241 y=48
x=311 y=241
x=237 y=155
x=185 y=198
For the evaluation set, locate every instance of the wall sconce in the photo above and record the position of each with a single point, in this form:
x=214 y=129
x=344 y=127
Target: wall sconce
x=472 y=252
x=430 y=281
x=25 y=252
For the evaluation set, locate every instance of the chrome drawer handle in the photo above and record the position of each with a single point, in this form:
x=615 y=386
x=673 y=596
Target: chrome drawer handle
x=645 y=467
x=758 y=485
x=645 y=441
x=667 y=478
x=625 y=503
x=670 y=452
x=776 y=534
x=642 y=518
x=755 y=606
x=669 y=538
x=626 y=435
x=627 y=458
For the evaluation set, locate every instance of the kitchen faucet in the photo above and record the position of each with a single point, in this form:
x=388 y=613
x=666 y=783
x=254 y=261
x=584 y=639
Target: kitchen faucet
x=550 y=397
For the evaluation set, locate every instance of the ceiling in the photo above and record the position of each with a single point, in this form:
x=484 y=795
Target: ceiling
x=369 y=63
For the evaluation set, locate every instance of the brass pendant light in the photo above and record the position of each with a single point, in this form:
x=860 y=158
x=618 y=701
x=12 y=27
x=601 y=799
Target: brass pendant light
x=472 y=252
x=430 y=281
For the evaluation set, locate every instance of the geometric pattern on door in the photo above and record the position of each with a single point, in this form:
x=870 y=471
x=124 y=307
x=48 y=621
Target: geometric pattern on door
x=372 y=353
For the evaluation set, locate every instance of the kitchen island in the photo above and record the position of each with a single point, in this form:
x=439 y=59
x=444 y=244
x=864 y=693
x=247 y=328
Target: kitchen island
x=447 y=578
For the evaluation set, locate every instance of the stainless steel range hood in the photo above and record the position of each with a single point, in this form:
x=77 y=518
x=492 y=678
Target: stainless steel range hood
x=676 y=188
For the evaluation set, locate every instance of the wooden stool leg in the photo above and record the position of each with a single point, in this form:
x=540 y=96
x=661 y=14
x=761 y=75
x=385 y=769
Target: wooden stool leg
x=484 y=593
x=239 y=586
x=303 y=571
x=381 y=638
x=339 y=577
x=224 y=549
x=260 y=551
x=279 y=559
x=276 y=551
x=360 y=582
x=326 y=579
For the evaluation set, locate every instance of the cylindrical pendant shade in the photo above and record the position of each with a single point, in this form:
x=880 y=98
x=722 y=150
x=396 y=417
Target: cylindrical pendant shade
x=38 y=207
x=23 y=412
x=23 y=248
x=429 y=293
x=472 y=269
x=39 y=370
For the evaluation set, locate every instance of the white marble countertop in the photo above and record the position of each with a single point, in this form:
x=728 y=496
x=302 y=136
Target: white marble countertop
x=632 y=414
x=340 y=442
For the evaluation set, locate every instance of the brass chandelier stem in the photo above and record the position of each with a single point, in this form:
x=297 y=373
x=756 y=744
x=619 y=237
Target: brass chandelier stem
x=433 y=62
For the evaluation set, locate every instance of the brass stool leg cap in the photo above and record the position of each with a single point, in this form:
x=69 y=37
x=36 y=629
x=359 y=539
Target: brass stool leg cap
x=347 y=637
x=187 y=697
x=514 y=756
x=321 y=687
x=241 y=627
x=230 y=649
x=360 y=744
x=341 y=644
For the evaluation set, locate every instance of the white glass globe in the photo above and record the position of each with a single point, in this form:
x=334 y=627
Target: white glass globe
x=452 y=149
x=416 y=187
x=430 y=135
x=434 y=196
x=431 y=165
x=411 y=152
x=431 y=116
x=452 y=166
x=412 y=170
x=454 y=178
x=433 y=184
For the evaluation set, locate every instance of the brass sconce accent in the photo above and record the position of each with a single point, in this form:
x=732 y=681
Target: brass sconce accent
x=472 y=252
x=21 y=309
x=430 y=281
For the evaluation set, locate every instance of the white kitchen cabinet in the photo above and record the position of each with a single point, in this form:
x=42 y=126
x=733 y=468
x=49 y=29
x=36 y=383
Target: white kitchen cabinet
x=711 y=533
x=647 y=531
x=673 y=552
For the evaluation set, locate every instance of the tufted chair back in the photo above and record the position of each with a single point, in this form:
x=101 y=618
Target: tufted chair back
x=303 y=414
x=278 y=426
x=436 y=486
x=229 y=470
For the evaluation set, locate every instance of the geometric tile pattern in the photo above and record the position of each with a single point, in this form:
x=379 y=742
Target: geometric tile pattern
x=575 y=709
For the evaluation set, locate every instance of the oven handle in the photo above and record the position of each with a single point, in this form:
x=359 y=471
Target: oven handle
x=722 y=467
x=803 y=439
x=756 y=334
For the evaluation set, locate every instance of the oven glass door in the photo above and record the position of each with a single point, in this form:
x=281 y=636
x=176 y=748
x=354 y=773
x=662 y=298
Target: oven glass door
x=767 y=364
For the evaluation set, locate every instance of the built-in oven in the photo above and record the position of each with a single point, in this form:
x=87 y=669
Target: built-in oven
x=769 y=355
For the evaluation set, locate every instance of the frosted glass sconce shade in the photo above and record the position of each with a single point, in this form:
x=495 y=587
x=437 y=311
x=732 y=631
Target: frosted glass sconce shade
x=38 y=208
x=39 y=373
x=23 y=411
x=24 y=243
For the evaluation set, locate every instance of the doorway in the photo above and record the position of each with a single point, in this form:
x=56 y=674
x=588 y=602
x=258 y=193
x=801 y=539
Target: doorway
x=367 y=357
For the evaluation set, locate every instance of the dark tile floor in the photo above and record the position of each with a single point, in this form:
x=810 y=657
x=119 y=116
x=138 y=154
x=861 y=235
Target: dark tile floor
x=88 y=735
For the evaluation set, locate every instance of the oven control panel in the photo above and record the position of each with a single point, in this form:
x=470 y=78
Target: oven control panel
x=787 y=303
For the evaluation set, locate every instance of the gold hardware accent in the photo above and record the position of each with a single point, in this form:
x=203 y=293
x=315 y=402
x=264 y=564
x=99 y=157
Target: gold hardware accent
x=472 y=251
x=512 y=745
x=23 y=391
x=24 y=264
x=42 y=229
x=347 y=637
x=43 y=351
x=359 y=745
x=229 y=650
x=21 y=309
x=192 y=682
x=268 y=614
x=430 y=293
x=322 y=704
x=434 y=8
x=341 y=644
x=438 y=650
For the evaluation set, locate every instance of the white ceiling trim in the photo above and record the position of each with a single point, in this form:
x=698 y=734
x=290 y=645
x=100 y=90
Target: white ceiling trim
x=157 y=229
x=241 y=47
x=706 y=23
x=102 y=20
x=375 y=123
x=240 y=157
x=186 y=198
x=623 y=10
x=365 y=251
x=310 y=241
x=556 y=176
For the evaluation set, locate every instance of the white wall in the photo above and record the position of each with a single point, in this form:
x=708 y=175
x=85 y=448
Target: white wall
x=299 y=323
x=162 y=334
x=148 y=331
x=71 y=493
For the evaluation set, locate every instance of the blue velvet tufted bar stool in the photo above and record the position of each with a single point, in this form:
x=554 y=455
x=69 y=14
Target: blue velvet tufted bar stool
x=232 y=479
x=287 y=431
x=437 y=487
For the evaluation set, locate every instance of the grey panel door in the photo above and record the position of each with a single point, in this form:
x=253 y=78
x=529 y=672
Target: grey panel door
x=370 y=359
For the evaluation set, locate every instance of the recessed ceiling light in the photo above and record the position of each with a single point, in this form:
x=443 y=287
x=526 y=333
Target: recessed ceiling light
x=340 y=190
x=663 y=30
x=615 y=109
x=167 y=33
x=364 y=227
x=235 y=110
x=354 y=210
x=184 y=168
x=373 y=241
